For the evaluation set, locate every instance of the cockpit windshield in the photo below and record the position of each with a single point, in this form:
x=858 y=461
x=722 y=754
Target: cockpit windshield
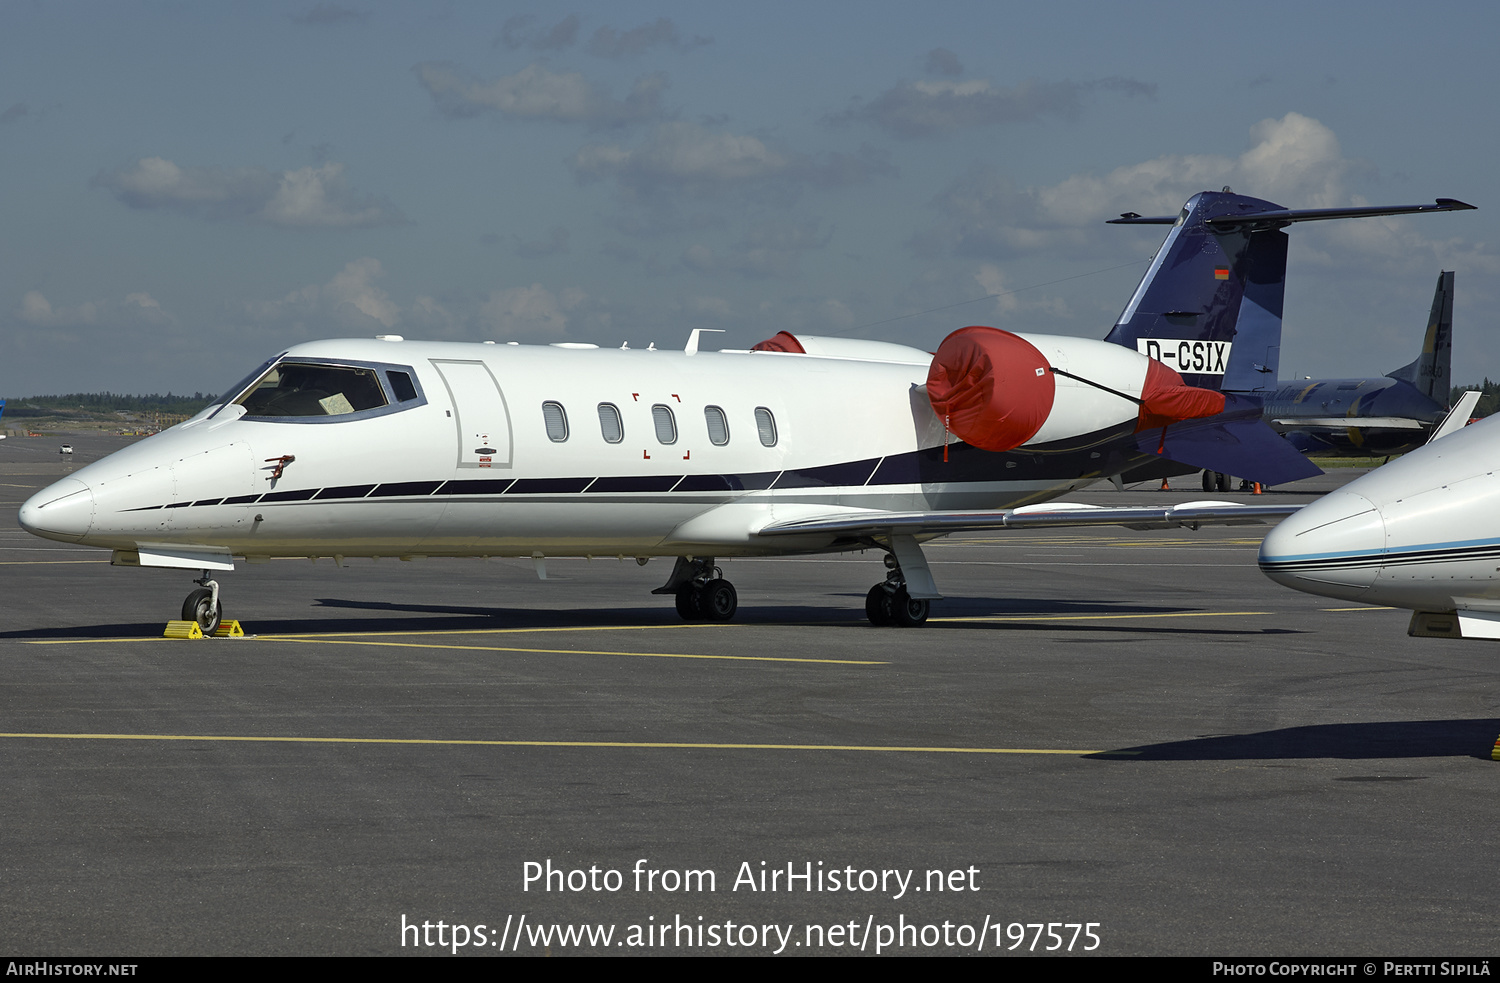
x=301 y=389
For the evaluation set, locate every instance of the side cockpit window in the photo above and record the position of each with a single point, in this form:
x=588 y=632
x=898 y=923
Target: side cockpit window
x=401 y=385
x=321 y=392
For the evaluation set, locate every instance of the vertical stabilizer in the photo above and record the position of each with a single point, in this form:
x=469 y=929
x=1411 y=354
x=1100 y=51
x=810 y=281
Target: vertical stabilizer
x=1210 y=305
x=1432 y=371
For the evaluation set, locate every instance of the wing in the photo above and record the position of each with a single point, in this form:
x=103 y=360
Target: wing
x=1051 y=516
x=1352 y=422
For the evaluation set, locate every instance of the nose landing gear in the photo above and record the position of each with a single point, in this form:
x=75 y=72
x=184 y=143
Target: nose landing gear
x=203 y=606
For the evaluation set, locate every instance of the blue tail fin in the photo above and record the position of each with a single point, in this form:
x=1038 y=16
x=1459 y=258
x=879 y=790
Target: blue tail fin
x=1433 y=368
x=1210 y=305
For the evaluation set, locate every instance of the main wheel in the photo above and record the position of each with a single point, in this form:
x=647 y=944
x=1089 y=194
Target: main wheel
x=687 y=603
x=1223 y=481
x=718 y=600
x=1209 y=484
x=878 y=606
x=907 y=611
x=200 y=607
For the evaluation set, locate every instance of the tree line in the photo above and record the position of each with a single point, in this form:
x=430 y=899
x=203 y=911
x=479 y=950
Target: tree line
x=1488 y=403
x=97 y=404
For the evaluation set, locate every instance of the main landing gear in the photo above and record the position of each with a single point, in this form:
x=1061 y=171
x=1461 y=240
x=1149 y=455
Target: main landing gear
x=1216 y=481
x=700 y=588
x=889 y=602
x=203 y=606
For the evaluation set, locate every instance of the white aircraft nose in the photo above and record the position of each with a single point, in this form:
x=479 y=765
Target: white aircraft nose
x=63 y=510
x=1333 y=547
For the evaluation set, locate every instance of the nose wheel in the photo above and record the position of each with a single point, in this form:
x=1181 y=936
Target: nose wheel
x=203 y=606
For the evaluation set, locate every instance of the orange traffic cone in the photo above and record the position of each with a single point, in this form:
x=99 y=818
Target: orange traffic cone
x=1164 y=486
x=1256 y=489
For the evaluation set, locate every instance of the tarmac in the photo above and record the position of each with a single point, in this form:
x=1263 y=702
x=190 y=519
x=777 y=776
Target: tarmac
x=1126 y=743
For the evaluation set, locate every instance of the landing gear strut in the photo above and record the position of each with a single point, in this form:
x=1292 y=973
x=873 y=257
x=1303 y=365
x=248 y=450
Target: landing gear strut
x=889 y=602
x=700 y=588
x=203 y=606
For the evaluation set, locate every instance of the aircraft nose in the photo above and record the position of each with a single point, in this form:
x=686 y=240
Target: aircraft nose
x=63 y=510
x=1334 y=547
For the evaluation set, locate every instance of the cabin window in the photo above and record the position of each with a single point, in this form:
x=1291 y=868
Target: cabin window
x=718 y=425
x=401 y=385
x=557 y=421
x=610 y=424
x=295 y=389
x=765 y=425
x=666 y=424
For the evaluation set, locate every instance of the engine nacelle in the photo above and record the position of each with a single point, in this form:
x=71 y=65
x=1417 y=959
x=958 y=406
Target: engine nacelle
x=998 y=391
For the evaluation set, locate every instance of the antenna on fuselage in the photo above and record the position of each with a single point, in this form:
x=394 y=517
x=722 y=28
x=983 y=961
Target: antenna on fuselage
x=692 y=342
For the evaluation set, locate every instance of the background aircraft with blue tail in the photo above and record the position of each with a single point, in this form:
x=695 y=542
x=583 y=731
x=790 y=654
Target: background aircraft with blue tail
x=1389 y=414
x=1241 y=354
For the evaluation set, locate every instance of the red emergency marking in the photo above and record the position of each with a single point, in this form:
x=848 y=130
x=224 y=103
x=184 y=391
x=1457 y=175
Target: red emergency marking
x=687 y=456
x=636 y=397
x=677 y=397
x=646 y=454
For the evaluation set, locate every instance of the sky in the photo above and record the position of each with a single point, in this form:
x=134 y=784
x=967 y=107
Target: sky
x=188 y=188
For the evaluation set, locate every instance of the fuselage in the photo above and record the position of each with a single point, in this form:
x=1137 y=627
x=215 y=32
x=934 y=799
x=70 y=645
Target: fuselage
x=403 y=448
x=1385 y=415
x=1421 y=532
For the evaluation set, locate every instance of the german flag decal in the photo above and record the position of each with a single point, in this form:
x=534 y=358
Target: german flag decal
x=1221 y=273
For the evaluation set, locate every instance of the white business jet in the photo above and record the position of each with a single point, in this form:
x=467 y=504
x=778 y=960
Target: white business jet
x=1421 y=532
x=389 y=447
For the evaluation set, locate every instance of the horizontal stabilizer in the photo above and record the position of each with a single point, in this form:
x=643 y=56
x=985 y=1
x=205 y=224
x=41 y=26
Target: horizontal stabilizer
x=1286 y=216
x=1244 y=448
x=1053 y=515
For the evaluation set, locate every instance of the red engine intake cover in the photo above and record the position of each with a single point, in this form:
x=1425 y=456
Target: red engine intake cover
x=992 y=388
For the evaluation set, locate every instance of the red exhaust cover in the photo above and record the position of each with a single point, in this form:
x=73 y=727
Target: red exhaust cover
x=990 y=387
x=782 y=341
x=1165 y=399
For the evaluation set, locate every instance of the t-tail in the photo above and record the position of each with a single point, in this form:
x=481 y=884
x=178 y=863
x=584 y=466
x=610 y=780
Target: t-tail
x=1210 y=307
x=1430 y=374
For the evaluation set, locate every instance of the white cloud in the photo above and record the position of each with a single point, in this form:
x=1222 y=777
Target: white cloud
x=310 y=197
x=534 y=312
x=608 y=42
x=1294 y=160
x=515 y=33
x=769 y=249
x=325 y=14
x=537 y=93
x=133 y=311
x=931 y=106
x=684 y=158
x=351 y=300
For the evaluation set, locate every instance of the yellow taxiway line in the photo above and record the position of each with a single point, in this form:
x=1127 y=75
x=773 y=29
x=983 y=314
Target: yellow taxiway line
x=508 y=648
x=393 y=643
x=1106 y=617
x=658 y=745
